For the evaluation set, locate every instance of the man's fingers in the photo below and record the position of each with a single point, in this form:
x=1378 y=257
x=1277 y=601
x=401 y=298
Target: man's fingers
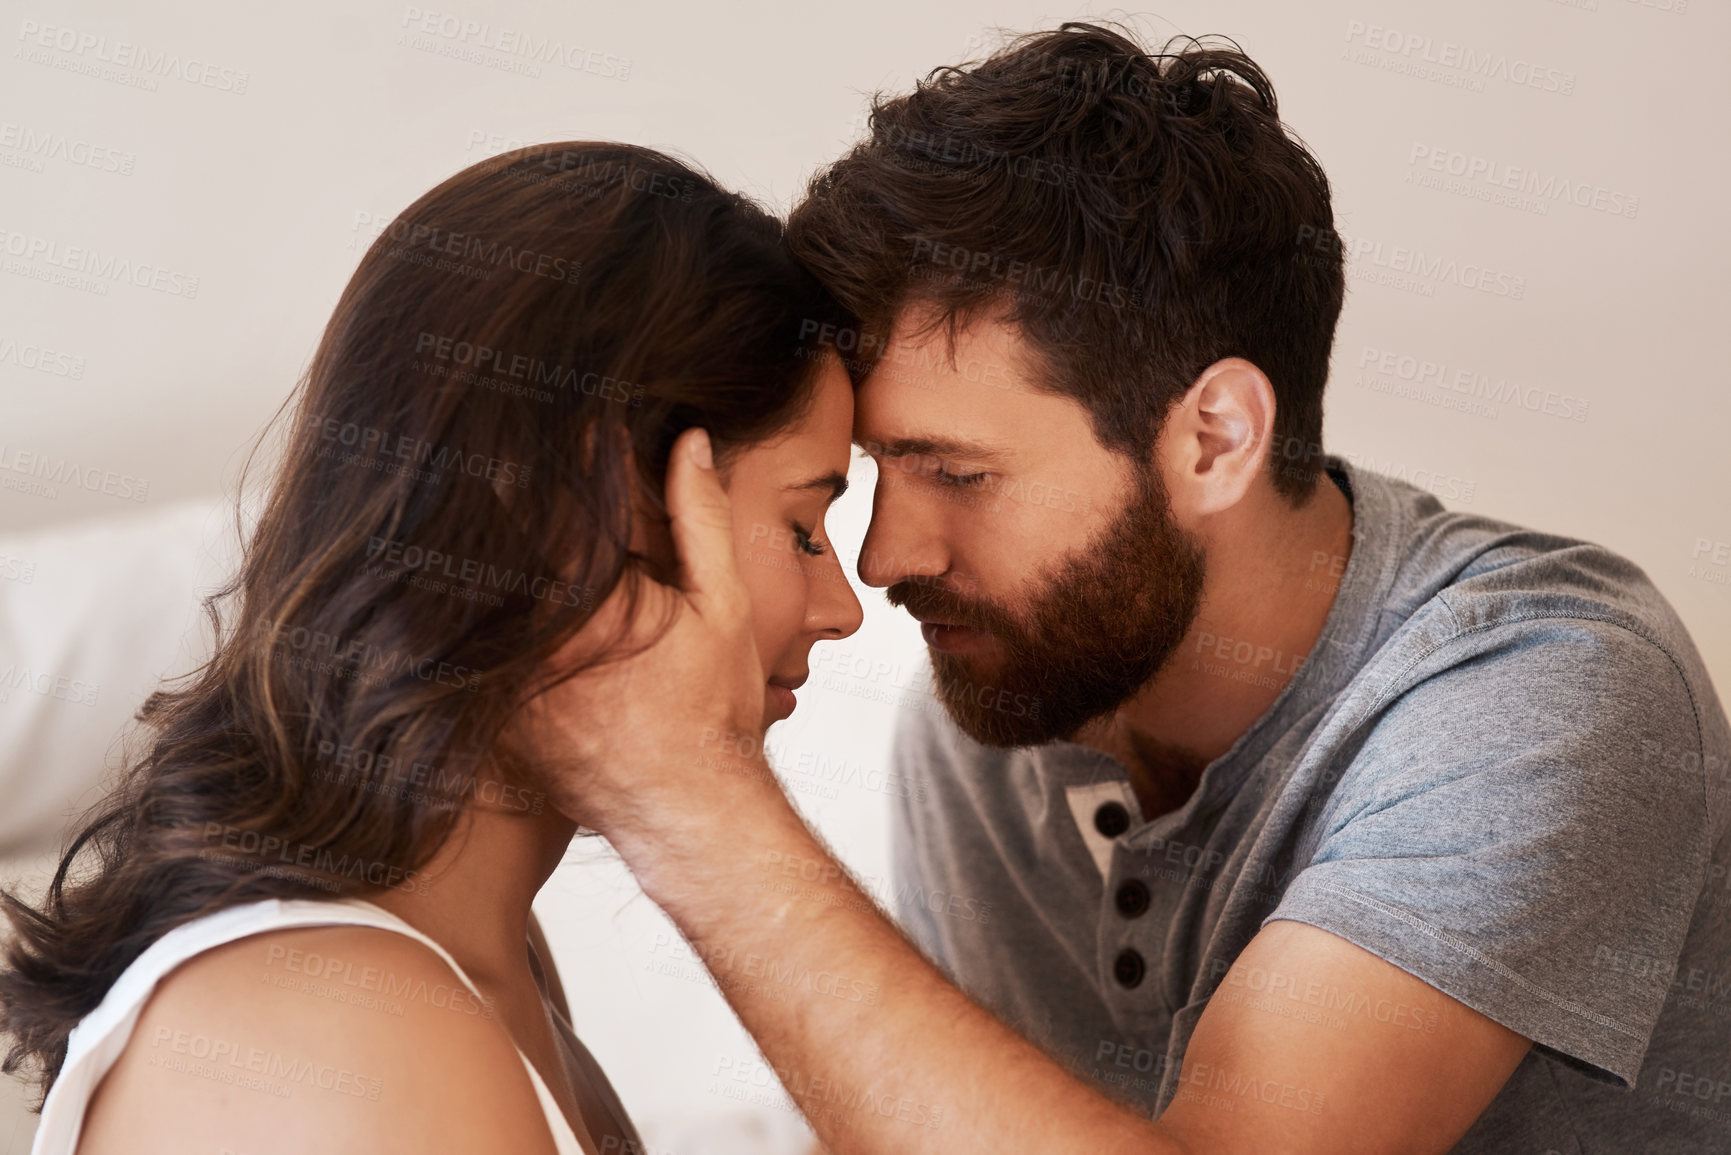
x=702 y=524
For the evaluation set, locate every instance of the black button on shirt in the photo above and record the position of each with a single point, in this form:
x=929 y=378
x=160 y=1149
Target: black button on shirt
x=1128 y=968
x=1111 y=819
x=1131 y=897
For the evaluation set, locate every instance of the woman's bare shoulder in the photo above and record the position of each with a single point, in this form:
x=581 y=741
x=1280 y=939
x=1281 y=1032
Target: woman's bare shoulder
x=332 y=1038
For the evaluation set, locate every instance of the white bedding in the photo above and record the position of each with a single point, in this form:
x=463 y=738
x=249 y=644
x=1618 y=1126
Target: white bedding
x=92 y=616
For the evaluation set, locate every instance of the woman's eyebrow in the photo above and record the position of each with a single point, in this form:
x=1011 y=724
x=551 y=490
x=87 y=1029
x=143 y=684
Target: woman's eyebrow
x=833 y=481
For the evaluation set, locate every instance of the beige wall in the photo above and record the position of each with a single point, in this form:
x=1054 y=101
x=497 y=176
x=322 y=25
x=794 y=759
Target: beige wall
x=1599 y=315
x=257 y=195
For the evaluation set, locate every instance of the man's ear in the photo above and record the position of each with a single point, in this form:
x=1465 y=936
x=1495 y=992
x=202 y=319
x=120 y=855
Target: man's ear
x=1215 y=443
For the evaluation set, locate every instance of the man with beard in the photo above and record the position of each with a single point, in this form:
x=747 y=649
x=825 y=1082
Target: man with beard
x=1098 y=630
x=1278 y=808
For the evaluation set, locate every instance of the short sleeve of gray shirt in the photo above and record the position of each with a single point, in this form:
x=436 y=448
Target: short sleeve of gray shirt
x=1500 y=830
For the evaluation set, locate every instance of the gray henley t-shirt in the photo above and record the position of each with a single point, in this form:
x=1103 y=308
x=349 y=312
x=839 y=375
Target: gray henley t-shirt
x=1502 y=768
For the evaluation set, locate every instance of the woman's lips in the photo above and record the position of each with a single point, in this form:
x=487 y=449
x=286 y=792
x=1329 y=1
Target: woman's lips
x=952 y=639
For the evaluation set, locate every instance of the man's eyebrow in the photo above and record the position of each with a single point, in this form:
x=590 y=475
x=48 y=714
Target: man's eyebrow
x=937 y=446
x=834 y=481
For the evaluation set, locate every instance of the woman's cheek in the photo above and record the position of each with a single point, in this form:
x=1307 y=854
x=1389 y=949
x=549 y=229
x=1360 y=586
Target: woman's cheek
x=775 y=586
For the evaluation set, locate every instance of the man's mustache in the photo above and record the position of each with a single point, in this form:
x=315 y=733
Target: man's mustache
x=928 y=601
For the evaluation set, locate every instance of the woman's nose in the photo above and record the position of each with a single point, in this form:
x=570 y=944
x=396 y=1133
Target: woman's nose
x=835 y=611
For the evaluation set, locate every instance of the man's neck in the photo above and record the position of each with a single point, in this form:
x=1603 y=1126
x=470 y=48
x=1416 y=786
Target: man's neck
x=1272 y=577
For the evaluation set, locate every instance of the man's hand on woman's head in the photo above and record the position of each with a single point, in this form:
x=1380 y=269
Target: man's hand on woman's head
x=672 y=731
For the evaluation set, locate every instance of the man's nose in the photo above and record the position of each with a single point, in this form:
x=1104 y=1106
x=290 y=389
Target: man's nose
x=899 y=542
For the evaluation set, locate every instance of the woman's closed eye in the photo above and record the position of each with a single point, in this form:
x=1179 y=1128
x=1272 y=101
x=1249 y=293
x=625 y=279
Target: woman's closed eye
x=809 y=545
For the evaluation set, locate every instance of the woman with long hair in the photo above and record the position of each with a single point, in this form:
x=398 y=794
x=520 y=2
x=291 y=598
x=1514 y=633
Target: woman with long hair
x=302 y=921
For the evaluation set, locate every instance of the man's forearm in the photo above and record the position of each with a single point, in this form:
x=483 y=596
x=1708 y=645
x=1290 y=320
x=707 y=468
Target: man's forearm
x=878 y=1049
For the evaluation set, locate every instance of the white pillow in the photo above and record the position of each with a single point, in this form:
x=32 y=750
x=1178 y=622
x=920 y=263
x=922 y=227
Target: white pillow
x=92 y=616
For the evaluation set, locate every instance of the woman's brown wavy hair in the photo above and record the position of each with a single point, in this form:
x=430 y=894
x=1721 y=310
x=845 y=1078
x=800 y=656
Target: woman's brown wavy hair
x=452 y=501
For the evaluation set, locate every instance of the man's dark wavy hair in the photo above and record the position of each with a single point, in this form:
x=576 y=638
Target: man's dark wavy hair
x=1137 y=216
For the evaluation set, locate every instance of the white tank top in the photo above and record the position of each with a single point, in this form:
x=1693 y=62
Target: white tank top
x=99 y=1038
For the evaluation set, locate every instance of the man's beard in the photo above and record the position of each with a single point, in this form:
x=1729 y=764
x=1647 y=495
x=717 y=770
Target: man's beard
x=1097 y=630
